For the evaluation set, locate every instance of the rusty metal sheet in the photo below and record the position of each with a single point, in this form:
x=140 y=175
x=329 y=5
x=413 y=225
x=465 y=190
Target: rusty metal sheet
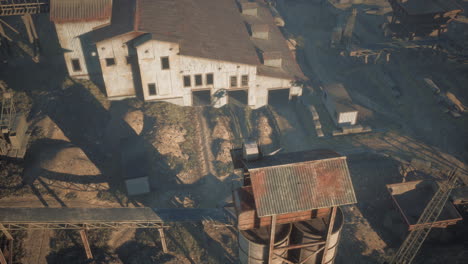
x=79 y=10
x=302 y=186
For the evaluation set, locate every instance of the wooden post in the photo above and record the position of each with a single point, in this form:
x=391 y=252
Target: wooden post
x=163 y=240
x=84 y=238
x=5 y=232
x=272 y=239
x=330 y=229
x=2 y=258
x=11 y=252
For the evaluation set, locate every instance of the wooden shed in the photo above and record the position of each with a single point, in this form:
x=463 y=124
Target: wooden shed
x=340 y=105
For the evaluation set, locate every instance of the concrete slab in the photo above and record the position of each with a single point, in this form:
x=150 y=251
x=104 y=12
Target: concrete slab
x=137 y=186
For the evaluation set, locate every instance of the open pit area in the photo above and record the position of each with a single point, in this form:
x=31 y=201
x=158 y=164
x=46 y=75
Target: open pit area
x=74 y=154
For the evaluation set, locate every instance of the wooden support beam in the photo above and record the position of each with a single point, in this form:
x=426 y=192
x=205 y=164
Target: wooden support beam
x=300 y=246
x=5 y=232
x=2 y=258
x=3 y=34
x=331 y=223
x=11 y=252
x=10 y=27
x=28 y=28
x=163 y=240
x=84 y=238
x=272 y=238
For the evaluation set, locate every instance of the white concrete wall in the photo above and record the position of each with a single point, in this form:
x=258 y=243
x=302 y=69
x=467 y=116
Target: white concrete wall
x=118 y=78
x=170 y=82
x=69 y=37
x=266 y=83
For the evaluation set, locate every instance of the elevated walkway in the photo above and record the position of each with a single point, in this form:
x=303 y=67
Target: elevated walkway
x=93 y=218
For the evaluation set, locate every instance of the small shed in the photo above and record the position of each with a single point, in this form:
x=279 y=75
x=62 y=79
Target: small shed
x=340 y=105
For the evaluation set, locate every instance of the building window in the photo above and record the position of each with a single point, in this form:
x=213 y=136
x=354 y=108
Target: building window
x=76 y=65
x=233 y=81
x=187 y=82
x=165 y=63
x=209 y=79
x=152 y=88
x=245 y=80
x=110 y=62
x=198 y=80
x=128 y=59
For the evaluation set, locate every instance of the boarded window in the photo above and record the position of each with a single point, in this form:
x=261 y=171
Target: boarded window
x=245 y=80
x=76 y=65
x=209 y=79
x=198 y=80
x=110 y=61
x=187 y=82
x=233 y=81
x=165 y=63
x=152 y=88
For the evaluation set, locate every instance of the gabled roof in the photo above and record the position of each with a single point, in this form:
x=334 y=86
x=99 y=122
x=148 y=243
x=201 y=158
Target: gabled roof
x=341 y=98
x=318 y=179
x=210 y=29
x=275 y=43
x=80 y=10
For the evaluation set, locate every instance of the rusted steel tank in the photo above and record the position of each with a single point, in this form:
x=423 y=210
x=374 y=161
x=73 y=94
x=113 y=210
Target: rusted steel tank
x=254 y=244
x=313 y=231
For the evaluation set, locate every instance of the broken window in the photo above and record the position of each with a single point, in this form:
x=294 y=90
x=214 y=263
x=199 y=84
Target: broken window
x=76 y=65
x=165 y=63
x=245 y=80
x=209 y=79
x=152 y=88
x=198 y=80
x=110 y=62
x=233 y=81
x=187 y=82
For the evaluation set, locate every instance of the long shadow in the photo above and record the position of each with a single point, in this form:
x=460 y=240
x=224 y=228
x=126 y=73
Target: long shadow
x=370 y=174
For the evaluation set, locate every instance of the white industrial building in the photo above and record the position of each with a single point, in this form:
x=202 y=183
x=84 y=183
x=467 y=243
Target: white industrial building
x=74 y=25
x=181 y=51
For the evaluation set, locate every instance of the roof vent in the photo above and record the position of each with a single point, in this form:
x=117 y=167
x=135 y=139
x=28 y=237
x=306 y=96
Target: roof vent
x=272 y=59
x=250 y=150
x=260 y=31
x=249 y=8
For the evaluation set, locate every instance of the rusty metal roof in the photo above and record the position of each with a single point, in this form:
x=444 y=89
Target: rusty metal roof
x=79 y=10
x=306 y=185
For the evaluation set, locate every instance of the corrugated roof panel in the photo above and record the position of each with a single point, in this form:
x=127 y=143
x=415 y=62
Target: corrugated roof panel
x=79 y=10
x=302 y=186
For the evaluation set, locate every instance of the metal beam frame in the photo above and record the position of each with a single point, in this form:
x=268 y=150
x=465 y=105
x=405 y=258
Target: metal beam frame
x=10 y=8
x=79 y=226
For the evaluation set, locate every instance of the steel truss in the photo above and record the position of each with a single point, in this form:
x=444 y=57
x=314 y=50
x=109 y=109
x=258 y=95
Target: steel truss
x=23 y=7
x=100 y=225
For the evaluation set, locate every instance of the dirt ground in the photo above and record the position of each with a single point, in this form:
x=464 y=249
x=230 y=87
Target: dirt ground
x=74 y=157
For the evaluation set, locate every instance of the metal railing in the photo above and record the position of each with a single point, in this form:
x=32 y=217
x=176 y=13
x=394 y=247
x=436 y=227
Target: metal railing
x=23 y=7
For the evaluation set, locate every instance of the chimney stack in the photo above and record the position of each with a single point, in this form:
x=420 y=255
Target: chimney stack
x=260 y=31
x=249 y=8
x=272 y=59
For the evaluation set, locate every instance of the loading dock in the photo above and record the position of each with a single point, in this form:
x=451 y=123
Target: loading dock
x=201 y=98
x=238 y=97
x=278 y=96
